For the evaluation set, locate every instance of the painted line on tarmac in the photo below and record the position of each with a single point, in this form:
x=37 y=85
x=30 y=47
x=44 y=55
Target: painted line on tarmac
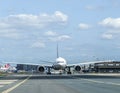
x=1 y=85
x=6 y=82
x=95 y=81
x=12 y=88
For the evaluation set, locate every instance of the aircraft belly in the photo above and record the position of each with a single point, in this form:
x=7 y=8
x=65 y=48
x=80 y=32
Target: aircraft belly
x=58 y=67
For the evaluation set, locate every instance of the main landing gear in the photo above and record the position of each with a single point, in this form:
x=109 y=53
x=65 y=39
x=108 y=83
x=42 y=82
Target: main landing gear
x=48 y=72
x=69 y=71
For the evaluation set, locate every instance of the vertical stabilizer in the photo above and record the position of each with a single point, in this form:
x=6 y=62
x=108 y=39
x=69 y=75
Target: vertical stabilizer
x=57 y=51
x=7 y=65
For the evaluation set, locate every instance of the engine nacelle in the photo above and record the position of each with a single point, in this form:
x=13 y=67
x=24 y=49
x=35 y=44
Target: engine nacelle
x=77 y=68
x=41 y=69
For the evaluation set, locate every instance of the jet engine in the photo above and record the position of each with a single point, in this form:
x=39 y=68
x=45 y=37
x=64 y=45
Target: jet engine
x=41 y=69
x=77 y=68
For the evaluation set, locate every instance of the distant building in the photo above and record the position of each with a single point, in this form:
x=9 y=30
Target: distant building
x=107 y=67
x=26 y=67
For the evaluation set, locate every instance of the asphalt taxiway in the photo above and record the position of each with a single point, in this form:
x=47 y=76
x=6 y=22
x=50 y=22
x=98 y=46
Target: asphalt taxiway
x=83 y=83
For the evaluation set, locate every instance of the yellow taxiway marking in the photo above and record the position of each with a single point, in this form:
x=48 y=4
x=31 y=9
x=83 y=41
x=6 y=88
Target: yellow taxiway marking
x=12 y=88
x=6 y=82
x=95 y=81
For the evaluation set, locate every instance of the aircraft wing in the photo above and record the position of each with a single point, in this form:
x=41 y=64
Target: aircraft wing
x=40 y=67
x=90 y=62
x=43 y=62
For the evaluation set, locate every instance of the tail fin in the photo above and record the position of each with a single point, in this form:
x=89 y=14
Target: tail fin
x=57 y=51
x=7 y=65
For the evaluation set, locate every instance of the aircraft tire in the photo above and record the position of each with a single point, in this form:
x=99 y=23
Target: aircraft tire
x=48 y=73
x=69 y=73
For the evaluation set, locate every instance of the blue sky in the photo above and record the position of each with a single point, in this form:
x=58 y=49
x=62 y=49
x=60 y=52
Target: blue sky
x=85 y=30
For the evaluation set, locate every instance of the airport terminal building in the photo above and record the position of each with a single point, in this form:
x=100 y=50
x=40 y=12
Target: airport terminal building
x=26 y=67
x=107 y=67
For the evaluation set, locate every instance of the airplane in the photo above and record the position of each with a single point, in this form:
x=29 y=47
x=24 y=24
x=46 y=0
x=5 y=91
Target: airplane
x=60 y=65
x=5 y=68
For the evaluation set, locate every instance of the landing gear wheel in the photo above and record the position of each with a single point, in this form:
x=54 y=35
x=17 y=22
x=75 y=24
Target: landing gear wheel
x=69 y=73
x=49 y=73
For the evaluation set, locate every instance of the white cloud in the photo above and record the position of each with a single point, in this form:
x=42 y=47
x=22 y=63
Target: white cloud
x=63 y=37
x=62 y=17
x=111 y=22
x=113 y=27
x=83 y=26
x=60 y=38
x=9 y=33
x=50 y=33
x=30 y=22
x=38 y=44
x=4 y=25
x=36 y=21
x=114 y=31
x=107 y=36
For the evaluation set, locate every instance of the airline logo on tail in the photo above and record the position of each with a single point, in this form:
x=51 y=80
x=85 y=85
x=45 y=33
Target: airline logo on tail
x=7 y=65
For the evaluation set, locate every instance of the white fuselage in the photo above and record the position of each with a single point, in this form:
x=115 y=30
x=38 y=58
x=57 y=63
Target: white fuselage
x=60 y=64
x=3 y=69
